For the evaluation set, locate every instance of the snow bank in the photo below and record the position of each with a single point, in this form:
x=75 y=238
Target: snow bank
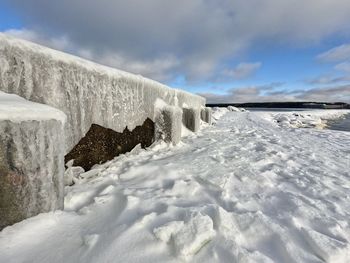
x=243 y=190
x=232 y=108
x=303 y=118
x=218 y=112
x=86 y=92
x=31 y=159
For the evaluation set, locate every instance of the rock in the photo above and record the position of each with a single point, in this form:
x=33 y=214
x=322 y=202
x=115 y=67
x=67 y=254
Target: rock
x=100 y=144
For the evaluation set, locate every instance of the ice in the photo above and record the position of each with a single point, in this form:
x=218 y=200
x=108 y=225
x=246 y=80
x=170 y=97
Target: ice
x=304 y=119
x=243 y=190
x=232 y=108
x=71 y=175
x=86 y=92
x=31 y=159
x=16 y=109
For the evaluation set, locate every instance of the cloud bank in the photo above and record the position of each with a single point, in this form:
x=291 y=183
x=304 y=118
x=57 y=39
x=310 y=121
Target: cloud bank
x=162 y=39
x=269 y=94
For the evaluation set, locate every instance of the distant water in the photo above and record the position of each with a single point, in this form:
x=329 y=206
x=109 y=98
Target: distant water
x=342 y=124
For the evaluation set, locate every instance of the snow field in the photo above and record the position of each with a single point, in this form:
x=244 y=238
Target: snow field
x=244 y=190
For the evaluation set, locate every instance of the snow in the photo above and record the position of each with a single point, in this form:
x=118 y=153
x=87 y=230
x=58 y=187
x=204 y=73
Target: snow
x=17 y=109
x=304 y=118
x=232 y=108
x=243 y=190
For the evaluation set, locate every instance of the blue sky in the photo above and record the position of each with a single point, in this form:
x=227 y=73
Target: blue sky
x=227 y=51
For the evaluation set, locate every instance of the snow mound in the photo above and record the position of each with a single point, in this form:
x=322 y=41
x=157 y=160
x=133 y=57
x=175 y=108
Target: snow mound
x=218 y=112
x=236 y=109
x=187 y=238
x=303 y=119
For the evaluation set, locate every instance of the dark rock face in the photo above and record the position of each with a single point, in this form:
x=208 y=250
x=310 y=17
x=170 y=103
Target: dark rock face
x=101 y=144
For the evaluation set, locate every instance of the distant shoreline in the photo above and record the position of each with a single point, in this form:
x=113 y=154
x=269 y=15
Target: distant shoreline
x=305 y=105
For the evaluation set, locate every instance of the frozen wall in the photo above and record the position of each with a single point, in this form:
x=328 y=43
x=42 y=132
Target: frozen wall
x=31 y=159
x=86 y=92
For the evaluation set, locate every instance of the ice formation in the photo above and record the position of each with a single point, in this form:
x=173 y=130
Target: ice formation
x=86 y=92
x=31 y=159
x=35 y=138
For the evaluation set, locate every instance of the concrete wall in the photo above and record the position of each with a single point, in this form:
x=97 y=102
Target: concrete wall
x=31 y=159
x=35 y=137
x=86 y=92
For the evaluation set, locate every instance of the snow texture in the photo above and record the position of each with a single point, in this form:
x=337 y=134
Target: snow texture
x=243 y=190
x=86 y=92
x=31 y=159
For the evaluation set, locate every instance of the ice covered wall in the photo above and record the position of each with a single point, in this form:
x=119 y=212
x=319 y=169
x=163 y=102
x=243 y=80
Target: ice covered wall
x=31 y=159
x=86 y=92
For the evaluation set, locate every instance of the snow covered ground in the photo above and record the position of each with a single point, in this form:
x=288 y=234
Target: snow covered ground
x=244 y=190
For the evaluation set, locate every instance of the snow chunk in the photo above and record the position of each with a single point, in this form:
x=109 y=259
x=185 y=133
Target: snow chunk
x=232 y=108
x=17 y=109
x=188 y=238
x=71 y=175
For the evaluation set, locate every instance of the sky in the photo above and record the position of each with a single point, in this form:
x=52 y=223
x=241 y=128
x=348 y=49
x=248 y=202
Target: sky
x=225 y=50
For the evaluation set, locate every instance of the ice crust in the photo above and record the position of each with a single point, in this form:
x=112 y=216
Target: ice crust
x=16 y=109
x=31 y=159
x=86 y=92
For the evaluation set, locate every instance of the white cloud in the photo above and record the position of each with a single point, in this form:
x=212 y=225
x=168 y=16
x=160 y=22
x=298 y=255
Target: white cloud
x=194 y=37
x=242 y=70
x=160 y=68
x=336 y=54
x=345 y=66
x=327 y=94
x=60 y=43
x=264 y=94
x=327 y=79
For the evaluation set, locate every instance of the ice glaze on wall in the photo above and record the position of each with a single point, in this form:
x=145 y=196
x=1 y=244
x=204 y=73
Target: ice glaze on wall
x=31 y=159
x=86 y=92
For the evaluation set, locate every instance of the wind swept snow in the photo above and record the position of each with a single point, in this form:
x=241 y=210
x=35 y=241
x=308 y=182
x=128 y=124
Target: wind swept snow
x=243 y=190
